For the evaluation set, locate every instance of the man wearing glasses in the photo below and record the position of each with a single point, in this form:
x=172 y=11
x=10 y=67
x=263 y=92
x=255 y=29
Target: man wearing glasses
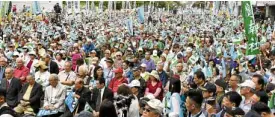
x=153 y=108
x=247 y=90
x=233 y=83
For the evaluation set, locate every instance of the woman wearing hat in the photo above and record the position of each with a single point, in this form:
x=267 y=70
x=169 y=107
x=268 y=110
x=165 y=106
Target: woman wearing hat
x=154 y=85
x=43 y=74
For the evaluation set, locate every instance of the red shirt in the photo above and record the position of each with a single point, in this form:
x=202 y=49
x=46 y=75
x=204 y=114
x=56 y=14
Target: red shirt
x=153 y=89
x=115 y=83
x=21 y=73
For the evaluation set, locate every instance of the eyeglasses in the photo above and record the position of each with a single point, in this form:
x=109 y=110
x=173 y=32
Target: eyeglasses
x=147 y=110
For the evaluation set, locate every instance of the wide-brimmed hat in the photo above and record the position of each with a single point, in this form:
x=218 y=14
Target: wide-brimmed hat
x=32 y=53
x=155 y=74
x=41 y=64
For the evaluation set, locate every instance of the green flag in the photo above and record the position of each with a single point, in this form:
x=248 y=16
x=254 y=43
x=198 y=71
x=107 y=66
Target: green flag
x=250 y=29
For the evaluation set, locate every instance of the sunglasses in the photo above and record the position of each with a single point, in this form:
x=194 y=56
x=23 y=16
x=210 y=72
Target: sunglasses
x=147 y=110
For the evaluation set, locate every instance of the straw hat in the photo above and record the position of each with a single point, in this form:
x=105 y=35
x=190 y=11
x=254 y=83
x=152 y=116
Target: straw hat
x=155 y=74
x=41 y=64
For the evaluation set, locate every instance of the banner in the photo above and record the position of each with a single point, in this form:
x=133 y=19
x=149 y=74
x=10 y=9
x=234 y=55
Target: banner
x=36 y=8
x=140 y=11
x=250 y=29
x=129 y=25
x=77 y=6
x=43 y=112
x=71 y=102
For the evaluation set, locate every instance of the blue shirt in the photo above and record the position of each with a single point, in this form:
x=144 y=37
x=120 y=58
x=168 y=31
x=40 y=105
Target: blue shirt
x=163 y=78
x=89 y=47
x=150 y=65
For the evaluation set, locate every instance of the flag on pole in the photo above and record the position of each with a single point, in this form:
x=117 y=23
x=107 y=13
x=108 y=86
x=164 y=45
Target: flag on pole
x=140 y=11
x=129 y=25
x=36 y=8
x=250 y=29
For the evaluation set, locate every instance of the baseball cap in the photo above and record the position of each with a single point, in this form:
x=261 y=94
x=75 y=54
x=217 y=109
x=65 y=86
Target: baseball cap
x=221 y=83
x=134 y=83
x=118 y=70
x=155 y=104
x=209 y=87
x=248 y=83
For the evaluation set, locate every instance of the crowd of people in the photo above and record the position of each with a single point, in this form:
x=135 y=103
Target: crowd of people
x=192 y=64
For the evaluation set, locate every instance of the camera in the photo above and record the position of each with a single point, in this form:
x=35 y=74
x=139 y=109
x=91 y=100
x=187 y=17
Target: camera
x=123 y=101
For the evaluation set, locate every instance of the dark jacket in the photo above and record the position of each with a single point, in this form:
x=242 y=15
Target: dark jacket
x=12 y=91
x=53 y=68
x=107 y=94
x=85 y=96
x=7 y=110
x=35 y=95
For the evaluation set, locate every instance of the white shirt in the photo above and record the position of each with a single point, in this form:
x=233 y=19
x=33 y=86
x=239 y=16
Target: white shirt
x=42 y=78
x=101 y=93
x=60 y=64
x=103 y=63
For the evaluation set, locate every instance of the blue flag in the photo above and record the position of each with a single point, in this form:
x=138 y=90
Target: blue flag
x=140 y=11
x=43 y=112
x=71 y=102
x=129 y=25
x=223 y=68
x=36 y=7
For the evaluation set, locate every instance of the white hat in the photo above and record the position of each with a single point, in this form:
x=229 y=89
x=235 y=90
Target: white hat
x=15 y=54
x=156 y=104
x=155 y=53
x=143 y=65
x=134 y=83
x=118 y=53
x=164 y=55
x=155 y=74
x=32 y=53
x=140 y=49
x=248 y=83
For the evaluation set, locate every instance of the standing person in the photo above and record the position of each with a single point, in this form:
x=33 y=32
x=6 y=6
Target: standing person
x=100 y=93
x=199 y=79
x=12 y=86
x=117 y=80
x=21 y=71
x=118 y=60
x=233 y=83
x=175 y=101
x=162 y=74
x=54 y=96
x=143 y=73
x=103 y=61
x=193 y=104
x=154 y=85
x=29 y=97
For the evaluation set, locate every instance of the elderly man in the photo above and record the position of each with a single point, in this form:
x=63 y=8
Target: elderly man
x=29 y=97
x=247 y=90
x=153 y=108
x=21 y=71
x=103 y=62
x=12 y=86
x=82 y=94
x=54 y=96
x=67 y=76
x=3 y=64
